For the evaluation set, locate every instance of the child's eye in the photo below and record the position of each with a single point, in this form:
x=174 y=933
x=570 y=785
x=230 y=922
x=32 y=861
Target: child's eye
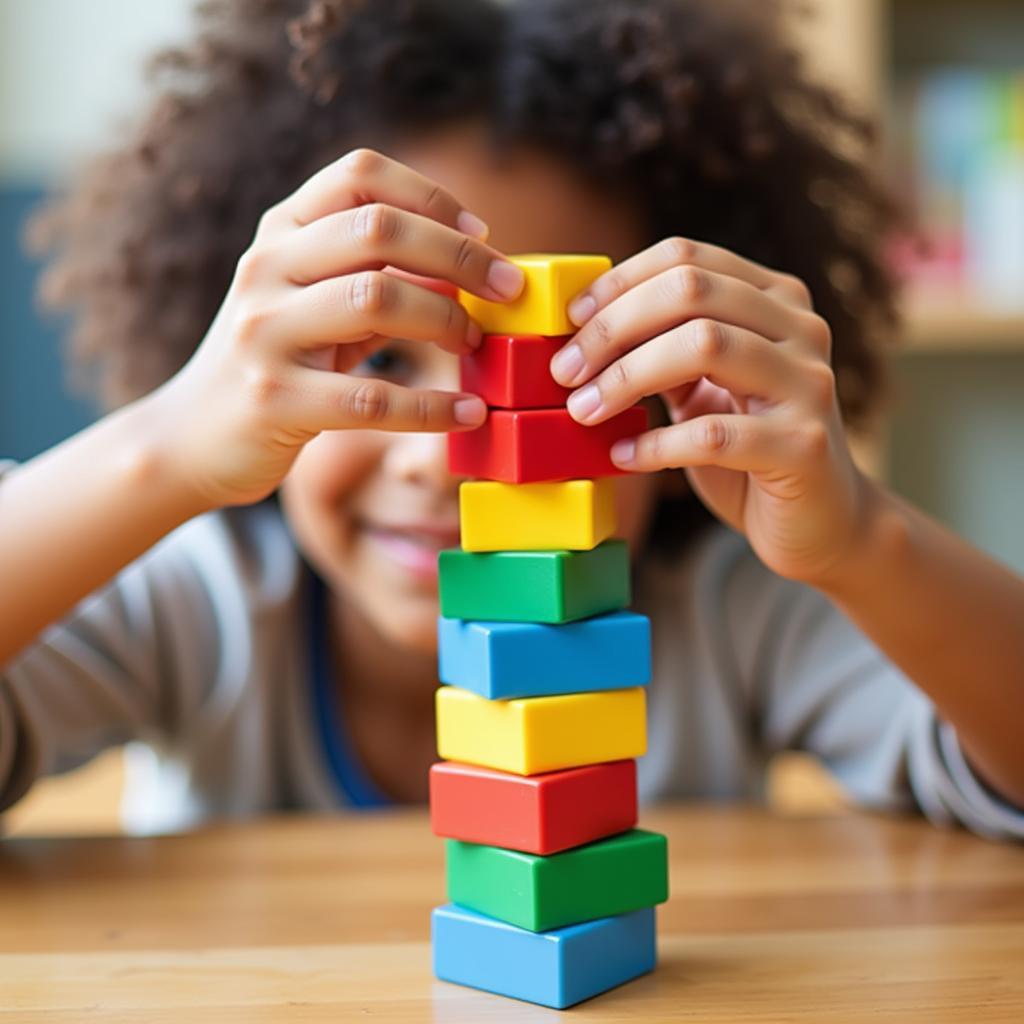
x=386 y=362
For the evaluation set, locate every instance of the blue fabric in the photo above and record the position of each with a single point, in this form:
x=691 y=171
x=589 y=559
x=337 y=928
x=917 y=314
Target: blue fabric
x=351 y=778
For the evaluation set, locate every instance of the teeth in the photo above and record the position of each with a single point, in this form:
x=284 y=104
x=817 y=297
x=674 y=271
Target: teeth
x=429 y=541
x=423 y=540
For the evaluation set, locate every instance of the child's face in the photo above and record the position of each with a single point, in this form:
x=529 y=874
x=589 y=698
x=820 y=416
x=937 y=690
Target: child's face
x=371 y=510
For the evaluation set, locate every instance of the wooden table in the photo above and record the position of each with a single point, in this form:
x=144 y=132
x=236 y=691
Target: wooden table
x=842 y=918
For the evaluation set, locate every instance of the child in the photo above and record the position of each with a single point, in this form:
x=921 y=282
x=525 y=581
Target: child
x=258 y=521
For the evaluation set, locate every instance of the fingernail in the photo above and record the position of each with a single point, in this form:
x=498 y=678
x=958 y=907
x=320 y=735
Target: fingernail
x=470 y=224
x=584 y=403
x=567 y=365
x=505 y=278
x=581 y=309
x=474 y=335
x=470 y=410
x=623 y=452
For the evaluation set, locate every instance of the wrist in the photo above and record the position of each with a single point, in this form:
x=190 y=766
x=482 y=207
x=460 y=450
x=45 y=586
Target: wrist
x=877 y=548
x=151 y=463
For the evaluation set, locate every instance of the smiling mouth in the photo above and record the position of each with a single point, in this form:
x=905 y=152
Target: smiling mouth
x=437 y=537
x=415 y=549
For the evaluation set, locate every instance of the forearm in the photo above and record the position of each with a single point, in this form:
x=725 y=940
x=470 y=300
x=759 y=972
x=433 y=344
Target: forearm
x=73 y=517
x=952 y=620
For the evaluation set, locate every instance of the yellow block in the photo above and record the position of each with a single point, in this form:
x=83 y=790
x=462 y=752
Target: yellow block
x=552 y=282
x=540 y=734
x=575 y=515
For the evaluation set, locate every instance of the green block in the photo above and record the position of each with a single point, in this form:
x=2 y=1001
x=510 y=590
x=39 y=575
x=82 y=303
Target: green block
x=602 y=879
x=534 y=586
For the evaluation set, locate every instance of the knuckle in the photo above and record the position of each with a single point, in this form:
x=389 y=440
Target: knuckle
x=611 y=285
x=368 y=293
x=687 y=284
x=465 y=251
x=818 y=332
x=362 y=162
x=262 y=386
x=268 y=220
x=422 y=410
x=251 y=267
x=619 y=376
x=367 y=402
x=797 y=288
x=679 y=250
x=601 y=331
x=650 y=447
x=252 y=325
x=708 y=340
x=712 y=435
x=822 y=380
x=438 y=203
x=376 y=224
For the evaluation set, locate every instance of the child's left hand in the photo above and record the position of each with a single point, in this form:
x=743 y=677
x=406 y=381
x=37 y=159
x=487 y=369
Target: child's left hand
x=742 y=362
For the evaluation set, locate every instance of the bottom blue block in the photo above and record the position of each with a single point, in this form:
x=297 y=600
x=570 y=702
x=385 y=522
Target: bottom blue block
x=556 y=968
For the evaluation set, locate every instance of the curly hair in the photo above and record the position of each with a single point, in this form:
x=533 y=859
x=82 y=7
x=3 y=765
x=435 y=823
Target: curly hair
x=696 y=108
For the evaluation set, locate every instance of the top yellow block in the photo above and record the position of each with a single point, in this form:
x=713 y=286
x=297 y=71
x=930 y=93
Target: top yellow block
x=552 y=282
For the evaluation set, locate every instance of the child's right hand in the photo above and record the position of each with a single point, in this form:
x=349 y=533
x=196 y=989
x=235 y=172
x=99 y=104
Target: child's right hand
x=309 y=301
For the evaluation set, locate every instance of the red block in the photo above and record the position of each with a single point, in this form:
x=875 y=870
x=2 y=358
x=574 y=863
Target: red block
x=534 y=813
x=512 y=371
x=541 y=444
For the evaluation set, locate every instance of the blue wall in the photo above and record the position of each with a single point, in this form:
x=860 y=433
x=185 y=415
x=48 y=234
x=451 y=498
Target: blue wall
x=35 y=409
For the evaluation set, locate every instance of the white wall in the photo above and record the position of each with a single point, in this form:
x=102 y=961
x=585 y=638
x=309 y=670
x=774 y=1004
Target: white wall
x=71 y=72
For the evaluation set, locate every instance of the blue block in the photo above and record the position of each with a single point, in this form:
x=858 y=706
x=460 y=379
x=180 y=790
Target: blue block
x=503 y=660
x=556 y=968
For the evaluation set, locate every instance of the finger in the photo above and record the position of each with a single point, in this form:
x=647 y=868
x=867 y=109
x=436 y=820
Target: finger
x=434 y=284
x=366 y=176
x=752 y=444
x=659 y=304
x=358 y=307
x=377 y=235
x=672 y=252
x=335 y=401
x=735 y=359
x=703 y=398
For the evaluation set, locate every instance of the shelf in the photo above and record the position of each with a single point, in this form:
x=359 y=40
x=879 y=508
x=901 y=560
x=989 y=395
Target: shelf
x=942 y=325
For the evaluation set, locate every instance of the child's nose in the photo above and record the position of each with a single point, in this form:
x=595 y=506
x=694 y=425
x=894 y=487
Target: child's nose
x=420 y=459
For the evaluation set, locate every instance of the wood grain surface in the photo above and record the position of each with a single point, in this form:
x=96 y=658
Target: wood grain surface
x=845 y=917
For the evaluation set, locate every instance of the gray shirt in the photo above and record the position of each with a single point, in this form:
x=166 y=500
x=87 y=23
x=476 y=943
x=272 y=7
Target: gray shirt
x=198 y=656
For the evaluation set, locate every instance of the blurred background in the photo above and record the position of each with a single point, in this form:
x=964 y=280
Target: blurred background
x=945 y=78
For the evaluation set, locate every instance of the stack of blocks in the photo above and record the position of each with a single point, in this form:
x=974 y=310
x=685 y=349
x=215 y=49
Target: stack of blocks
x=551 y=887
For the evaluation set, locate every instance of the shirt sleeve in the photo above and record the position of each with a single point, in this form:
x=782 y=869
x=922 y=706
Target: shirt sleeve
x=132 y=661
x=820 y=685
